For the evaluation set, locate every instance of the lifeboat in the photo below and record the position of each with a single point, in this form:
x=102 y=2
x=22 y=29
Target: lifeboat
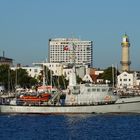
x=32 y=98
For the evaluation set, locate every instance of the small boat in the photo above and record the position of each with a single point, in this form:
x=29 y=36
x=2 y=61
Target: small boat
x=35 y=98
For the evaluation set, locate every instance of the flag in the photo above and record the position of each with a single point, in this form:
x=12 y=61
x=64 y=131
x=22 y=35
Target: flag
x=71 y=46
x=66 y=48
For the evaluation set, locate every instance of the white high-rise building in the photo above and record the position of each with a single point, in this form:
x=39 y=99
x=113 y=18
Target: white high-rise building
x=61 y=51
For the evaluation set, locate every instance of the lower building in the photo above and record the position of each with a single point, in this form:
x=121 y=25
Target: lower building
x=32 y=71
x=6 y=61
x=125 y=80
x=59 y=69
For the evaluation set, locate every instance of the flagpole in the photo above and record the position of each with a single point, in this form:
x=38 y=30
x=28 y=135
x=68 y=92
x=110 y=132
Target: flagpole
x=113 y=75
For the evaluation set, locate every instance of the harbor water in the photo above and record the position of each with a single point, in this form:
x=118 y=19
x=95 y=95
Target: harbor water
x=70 y=127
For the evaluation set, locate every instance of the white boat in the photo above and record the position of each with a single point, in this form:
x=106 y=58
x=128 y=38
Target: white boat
x=126 y=105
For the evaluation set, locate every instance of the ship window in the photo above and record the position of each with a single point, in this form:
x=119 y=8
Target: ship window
x=93 y=89
x=110 y=89
x=124 y=79
x=75 y=88
x=35 y=70
x=104 y=90
x=98 y=89
x=88 y=89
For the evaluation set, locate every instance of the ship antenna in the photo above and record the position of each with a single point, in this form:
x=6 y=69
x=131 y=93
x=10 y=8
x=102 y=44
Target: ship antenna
x=113 y=76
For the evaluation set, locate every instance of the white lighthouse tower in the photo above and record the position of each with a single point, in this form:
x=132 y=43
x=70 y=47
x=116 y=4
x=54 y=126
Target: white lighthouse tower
x=125 y=62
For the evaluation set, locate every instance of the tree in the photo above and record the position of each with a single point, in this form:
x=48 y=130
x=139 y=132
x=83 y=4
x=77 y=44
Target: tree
x=9 y=78
x=47 y=74
x=60 y=81
x=24 y=80
x=4 y=70
x=109 y=74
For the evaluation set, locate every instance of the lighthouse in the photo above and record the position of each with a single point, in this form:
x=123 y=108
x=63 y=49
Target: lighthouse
x=125 y=61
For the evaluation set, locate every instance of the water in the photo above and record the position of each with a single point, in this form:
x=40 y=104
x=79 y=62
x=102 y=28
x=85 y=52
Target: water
x=70 y=127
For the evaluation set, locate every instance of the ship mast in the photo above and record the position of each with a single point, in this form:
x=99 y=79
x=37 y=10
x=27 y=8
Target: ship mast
x=44 y=76
x=72 y=79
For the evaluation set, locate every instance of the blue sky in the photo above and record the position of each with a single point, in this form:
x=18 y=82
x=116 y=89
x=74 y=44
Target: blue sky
x=27 y=25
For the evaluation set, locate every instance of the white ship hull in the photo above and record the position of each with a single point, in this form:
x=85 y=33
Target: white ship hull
x=130 y=105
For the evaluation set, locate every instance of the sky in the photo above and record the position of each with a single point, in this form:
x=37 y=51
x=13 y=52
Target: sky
x=27 y=25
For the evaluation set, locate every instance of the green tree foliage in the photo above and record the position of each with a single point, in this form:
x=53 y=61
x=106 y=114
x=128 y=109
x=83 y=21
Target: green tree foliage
x=109 y=74
x=60 y=82
x=9 y=78
x=51 y=79
x=24 y=80
x=47 y=74
x=4 y=70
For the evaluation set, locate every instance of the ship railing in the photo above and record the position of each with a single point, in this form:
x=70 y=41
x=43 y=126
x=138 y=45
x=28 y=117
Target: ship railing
x=56 y=97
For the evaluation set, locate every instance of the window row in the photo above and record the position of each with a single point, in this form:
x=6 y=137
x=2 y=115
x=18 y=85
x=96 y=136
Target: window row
x=96 y=90
x=125 y=79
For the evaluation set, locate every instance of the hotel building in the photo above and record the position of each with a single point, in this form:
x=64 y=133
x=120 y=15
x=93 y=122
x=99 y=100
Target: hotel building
x=61 y=51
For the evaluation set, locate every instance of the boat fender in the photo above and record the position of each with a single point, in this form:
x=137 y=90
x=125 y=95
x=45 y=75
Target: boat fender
x=107 y=98
x=72 y=99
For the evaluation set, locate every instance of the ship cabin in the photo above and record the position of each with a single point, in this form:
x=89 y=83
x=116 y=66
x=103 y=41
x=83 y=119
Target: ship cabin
x=98 y=89
x=90 y=88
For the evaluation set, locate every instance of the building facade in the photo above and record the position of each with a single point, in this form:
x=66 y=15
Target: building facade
x=59 y=69
x=6 y=61
x=125 y=80
x=61 y=51
x=32 y=71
